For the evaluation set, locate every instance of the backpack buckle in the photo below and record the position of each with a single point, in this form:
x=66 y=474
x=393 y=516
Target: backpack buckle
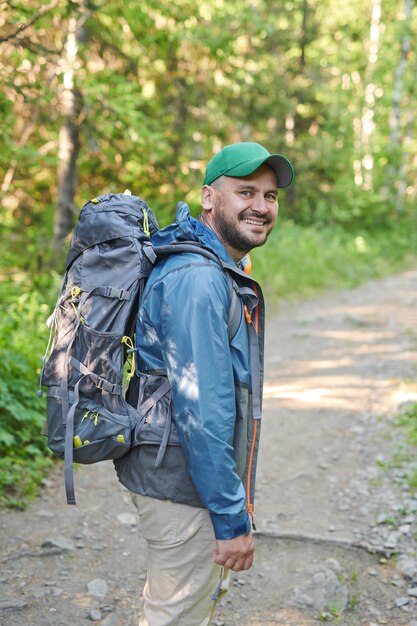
x=104 y=385
x=113 y=292
x=149 y=252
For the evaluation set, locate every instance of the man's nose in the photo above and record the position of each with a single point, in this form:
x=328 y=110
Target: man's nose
x=260 y=205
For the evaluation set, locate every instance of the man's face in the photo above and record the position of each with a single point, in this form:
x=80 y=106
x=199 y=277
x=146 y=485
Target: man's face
x=242 y=211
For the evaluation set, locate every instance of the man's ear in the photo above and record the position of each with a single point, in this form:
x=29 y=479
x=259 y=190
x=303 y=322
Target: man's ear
x=208 y=195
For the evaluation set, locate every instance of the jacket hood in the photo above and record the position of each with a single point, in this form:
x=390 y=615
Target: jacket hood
x=187 y=228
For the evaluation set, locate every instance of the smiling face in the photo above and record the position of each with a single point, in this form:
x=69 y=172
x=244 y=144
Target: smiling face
x=242 y=211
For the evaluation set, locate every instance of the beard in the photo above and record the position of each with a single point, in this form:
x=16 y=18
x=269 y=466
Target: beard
x=231 y=229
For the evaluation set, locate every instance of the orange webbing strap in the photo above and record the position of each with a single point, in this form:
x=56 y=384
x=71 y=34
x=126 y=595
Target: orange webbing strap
x=247 y=264
x=255 y=366
x=250 y=310
x=255 y=325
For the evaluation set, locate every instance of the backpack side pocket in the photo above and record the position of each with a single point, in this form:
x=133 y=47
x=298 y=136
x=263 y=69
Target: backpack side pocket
x=155 y=425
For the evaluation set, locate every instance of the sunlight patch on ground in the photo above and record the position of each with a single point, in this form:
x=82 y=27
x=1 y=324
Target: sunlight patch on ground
x=319 y=397
x=356 y=336
x=336 y=392
x=406 y=393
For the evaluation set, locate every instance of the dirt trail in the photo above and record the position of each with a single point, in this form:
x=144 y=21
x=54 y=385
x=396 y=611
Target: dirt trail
x=338 y=368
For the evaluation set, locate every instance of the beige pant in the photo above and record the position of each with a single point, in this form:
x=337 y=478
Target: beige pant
x=183 y=583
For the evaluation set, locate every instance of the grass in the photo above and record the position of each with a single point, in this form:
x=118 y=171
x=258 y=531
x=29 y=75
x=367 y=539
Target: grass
x=299 y=262
x=402 y=466
x=407 y=420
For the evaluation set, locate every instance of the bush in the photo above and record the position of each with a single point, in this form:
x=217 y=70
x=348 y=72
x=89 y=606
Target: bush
x=24 y=457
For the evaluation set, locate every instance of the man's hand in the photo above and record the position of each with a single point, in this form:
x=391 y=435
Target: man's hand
x=235 y=554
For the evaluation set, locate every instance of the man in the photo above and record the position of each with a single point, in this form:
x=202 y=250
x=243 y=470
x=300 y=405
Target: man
x=195 y=496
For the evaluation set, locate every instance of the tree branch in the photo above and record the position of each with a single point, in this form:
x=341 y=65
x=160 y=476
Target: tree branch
x=49 y=7
x=21 y=144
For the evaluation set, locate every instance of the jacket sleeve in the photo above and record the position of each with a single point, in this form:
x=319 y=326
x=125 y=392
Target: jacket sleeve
x=193 y=332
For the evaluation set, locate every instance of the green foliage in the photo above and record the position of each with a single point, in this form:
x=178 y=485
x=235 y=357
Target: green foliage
x=163 y=84
x=23 y=455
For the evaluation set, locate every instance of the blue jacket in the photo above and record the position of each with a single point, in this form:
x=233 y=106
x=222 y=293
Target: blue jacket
x=182 y=334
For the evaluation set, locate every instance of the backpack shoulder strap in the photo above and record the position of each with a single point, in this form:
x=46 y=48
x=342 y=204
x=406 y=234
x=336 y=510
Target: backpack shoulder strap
x=240 y=295
x=235 y=308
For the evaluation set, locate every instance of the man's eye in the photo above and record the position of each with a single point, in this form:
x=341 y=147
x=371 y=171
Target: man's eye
x=246 y=193
x=271 y=197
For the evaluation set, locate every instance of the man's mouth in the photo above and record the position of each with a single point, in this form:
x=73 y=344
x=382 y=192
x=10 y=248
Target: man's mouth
x=254 y=221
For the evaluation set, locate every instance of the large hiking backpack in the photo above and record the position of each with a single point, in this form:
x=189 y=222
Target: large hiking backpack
x=109 y=259
x=88 y=419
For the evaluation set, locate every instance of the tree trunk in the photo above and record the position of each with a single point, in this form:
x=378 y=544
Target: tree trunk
x=303 y=42
x=368 y=124
x=404 y=161
x=396 y=178
x=68 y=144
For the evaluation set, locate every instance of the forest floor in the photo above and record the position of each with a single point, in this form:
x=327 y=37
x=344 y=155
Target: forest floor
x=336 y=519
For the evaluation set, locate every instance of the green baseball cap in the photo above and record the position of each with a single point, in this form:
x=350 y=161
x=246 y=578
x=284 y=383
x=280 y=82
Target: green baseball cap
x=241 y=159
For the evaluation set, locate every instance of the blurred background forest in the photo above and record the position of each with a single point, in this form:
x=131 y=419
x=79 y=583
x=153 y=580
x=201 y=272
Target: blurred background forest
x=100 y=96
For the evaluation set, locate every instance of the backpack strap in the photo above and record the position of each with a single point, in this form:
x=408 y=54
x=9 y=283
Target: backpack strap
x=250 y=300
x=238 y=294
x=235 y=309
x=69 y=452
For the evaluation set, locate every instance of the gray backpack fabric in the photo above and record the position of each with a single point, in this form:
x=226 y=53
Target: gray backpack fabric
x=109 y=259
x=88 y=419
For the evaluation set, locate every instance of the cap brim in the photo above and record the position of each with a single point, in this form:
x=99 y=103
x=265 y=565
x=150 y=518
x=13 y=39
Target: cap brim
x=281 y=166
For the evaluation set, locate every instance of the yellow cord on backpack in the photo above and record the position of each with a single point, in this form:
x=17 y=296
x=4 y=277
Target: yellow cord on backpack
x=75 y=292
x=93 y=417
x=129 y=343
x=146 y=223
